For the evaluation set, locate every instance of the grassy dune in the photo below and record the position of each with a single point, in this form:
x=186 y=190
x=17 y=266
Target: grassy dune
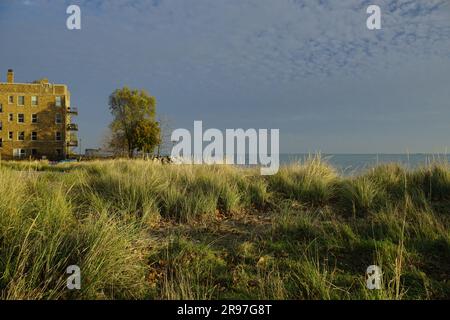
x=142 y=230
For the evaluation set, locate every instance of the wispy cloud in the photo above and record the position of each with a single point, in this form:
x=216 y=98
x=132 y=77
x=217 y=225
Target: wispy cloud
x=282 y=40
x=294 y=38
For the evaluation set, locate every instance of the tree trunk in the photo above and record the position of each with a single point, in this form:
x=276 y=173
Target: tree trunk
x=130 y=152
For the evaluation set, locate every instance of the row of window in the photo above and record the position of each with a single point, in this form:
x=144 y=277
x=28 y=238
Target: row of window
x=34 y=100
x=33 y=136
x=21 y=153
x=34 y=118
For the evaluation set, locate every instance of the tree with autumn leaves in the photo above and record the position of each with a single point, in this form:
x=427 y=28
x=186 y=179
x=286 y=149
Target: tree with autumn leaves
x=134 y=125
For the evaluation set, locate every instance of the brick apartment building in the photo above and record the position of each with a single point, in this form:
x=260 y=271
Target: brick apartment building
x=35 y=120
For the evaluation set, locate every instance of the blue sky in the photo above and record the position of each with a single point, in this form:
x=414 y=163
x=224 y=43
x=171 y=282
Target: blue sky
x=308 y=67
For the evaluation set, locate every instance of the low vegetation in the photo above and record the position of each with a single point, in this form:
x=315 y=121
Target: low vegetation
x=143 y=230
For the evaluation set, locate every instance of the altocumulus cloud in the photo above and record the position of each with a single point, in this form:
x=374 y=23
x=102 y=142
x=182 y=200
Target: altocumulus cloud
x=289 y=39
x=281 y=40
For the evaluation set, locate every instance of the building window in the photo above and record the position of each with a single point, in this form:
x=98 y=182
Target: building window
x=10 y=117
x=1 y=108
x=10 y=135
x=58 y=136
x=10 y=99
x=33 y=136
x=21 y=101
x=34 y=118
x=58 y=101
x=33 y=152
x=1 y=142
x=21 y=118
x=59 y=152
x=58 y=118
x=1 y=126
x=21 y=135
x=34 y=100
x=19 y=153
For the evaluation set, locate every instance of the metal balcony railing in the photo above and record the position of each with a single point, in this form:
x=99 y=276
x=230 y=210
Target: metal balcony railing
x=72 y=127
x=72 y=110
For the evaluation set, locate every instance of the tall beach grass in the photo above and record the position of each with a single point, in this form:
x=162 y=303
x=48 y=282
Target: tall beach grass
x=145 y=230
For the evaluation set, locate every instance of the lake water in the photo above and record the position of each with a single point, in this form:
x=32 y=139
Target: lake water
x=348 y=164
x=351 y=163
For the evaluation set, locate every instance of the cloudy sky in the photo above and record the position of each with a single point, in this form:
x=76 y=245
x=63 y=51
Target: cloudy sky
x=308 y=67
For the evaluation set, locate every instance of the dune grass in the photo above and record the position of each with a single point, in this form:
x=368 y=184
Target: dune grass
x=143 y=230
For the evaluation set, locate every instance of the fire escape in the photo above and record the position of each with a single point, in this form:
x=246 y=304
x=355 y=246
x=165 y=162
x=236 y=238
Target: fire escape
x=71 y=129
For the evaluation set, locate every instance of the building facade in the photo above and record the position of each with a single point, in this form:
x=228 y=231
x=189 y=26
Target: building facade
x=36 y=120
